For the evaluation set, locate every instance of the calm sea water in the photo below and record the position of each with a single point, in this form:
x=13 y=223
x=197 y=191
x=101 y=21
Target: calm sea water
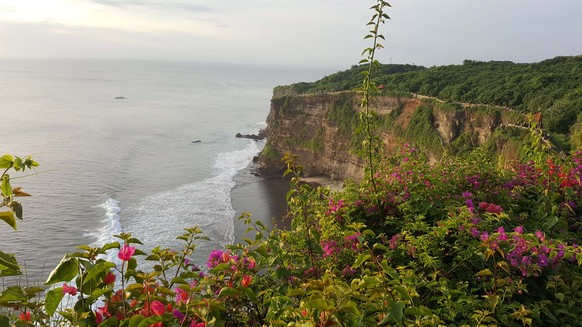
x=111 y=165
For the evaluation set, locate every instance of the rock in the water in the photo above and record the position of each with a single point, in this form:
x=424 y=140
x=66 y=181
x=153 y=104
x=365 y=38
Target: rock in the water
x=249 y=136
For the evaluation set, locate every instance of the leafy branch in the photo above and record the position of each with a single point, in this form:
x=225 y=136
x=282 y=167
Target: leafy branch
x=371 y=144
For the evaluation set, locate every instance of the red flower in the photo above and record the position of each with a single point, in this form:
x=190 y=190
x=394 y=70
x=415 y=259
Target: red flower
x=197 y=324
x=109 y=278
x=126 y=252
x=98 y=317
x=246 y=280
x=158 y=308
x=25 y=316
x=72 y=290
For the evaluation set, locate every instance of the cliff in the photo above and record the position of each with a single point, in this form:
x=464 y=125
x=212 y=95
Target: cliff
x=320 y=129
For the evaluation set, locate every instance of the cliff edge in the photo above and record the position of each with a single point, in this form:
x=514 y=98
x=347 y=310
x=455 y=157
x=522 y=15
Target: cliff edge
x=320 y=129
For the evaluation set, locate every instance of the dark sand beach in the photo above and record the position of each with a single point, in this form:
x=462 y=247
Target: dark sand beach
x=262 y=196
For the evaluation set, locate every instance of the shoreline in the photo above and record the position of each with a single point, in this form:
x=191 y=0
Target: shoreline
x=263 y=194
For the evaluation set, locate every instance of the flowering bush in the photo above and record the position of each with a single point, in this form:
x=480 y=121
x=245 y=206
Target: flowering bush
x=458 y=242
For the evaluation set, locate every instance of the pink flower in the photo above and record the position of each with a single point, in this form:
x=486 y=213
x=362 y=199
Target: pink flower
x=126 y=252
x=493 y=208
x=157 y=308
x=197 y=324
x=181 y=296
x=72 y=290
x=540 y=235
x=329 y=248
x=502 y=235
x=518 y=229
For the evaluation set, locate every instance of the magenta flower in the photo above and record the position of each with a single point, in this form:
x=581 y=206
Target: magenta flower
x=393 y=243
x=352 y=241
x=178 y=315
x=126 y=252
x=475 y=232
x=502 y=235
x=542 y=260
x=214 y=258
x=329 y=248
x=518 y=230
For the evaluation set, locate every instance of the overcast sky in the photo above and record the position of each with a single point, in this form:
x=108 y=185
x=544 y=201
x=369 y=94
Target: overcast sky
x=290 y=32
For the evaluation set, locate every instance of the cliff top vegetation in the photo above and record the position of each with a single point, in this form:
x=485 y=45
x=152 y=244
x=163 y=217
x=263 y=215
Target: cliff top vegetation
x=552 y=87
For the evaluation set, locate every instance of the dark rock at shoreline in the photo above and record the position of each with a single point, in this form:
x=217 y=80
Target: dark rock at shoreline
x=249 y=136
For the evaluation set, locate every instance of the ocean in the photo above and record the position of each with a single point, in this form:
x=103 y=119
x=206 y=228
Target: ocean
x=114 y=139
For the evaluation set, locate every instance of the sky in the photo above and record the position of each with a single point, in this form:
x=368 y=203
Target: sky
x=291 y=32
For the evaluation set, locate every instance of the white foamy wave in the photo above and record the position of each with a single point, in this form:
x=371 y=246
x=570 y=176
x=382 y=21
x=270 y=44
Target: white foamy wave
x=158 y=219
x=112 y=226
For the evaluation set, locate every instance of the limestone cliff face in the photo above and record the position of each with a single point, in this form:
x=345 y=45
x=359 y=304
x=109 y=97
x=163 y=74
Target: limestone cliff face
x=319 y=129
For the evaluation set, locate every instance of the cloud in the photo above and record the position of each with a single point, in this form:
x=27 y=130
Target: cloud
x=157 y=5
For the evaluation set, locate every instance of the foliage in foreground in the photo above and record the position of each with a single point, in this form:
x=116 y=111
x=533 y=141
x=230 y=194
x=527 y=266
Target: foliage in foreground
x=461 y=242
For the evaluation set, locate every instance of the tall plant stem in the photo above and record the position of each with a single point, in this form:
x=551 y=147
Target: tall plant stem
x=376 y=20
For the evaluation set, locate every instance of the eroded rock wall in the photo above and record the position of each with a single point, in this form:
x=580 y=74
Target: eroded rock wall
x=319 y=129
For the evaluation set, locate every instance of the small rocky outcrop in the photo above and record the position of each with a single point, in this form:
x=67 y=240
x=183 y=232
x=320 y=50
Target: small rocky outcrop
x=249 y=136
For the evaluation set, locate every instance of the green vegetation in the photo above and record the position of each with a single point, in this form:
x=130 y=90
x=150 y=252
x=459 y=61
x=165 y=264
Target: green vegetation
x=552 y=87
x=421 y=130
x=460 y=242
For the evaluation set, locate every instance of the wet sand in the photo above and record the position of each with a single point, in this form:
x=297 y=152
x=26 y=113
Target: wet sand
x=262 y=196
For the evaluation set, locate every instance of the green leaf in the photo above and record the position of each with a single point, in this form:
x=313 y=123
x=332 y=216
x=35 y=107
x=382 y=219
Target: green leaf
x=550 y=222
x=150 y=321
x=112 y=245
x=5 y=187
x=12 y=295
x=52 y=300
x=17 y=208
x=363 y=257
x=418 y=311
x=66 y=270
x=319 y=304
x=229 y=291
x=135 y=320
x=8 y=265
x=17 y=164
x=484 y=272
x=111 y=322
x=97 y=270
x=6 y=161
x=380 y=246
x=8 y=217
x=251 y=294
x=394 y=313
